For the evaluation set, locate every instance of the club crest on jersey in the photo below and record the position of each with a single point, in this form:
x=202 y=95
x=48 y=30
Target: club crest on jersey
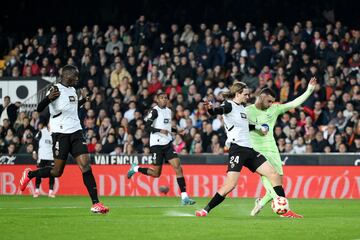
x=166 y=120
x=243 y=115
x=72 y=98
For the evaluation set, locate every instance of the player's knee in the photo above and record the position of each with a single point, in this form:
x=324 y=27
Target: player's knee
x=156 y=174
x=55 y=172
x=178 y=170
x=85 y=168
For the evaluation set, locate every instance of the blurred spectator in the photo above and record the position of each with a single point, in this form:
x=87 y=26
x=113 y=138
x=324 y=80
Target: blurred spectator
x=8 y=110
x=123 y=68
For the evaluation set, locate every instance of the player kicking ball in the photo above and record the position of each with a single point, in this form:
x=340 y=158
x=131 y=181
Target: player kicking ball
x=158 y=124
x=241 y=152
x=66 y=133
x=264 y=111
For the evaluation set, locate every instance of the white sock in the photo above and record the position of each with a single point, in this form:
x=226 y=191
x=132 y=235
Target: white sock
x=184 y=195
x=50 y=192
x=136 y=168
x=37 y=190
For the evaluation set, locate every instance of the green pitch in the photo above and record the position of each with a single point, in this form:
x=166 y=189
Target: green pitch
x=163 y=218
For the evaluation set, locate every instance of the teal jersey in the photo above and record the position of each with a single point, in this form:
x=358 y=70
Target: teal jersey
x=269 y=116
x=258 y=117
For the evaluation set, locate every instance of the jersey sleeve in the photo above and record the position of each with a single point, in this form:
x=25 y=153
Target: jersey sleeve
x=224 y=108
x=149 y=121
x=282 y=108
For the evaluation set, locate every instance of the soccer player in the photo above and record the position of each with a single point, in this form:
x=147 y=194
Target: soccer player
x=158 y=124
x=241 y=152
x=44 y=157
x=67 y=135
x=264 y=111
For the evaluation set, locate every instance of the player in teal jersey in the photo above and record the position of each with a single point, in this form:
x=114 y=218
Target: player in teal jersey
x=265 y=112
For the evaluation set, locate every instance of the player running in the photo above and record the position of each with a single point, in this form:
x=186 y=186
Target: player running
x=44 y=157
x=66 y=135
x=158 y=124
x=241 y=152
x=264 y=111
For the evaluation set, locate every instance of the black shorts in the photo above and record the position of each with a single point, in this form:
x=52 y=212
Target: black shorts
x=45 y=163
x=244 y=156
x=65 y=143
x=161 y=153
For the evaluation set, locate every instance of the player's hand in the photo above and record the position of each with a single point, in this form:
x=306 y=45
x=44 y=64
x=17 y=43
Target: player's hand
x=54 y=93
x=312 y=83
x=208 y=105
x=163 y=131
x=263 y=129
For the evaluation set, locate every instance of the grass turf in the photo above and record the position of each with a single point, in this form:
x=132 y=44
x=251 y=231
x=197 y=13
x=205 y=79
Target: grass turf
x=23 y=217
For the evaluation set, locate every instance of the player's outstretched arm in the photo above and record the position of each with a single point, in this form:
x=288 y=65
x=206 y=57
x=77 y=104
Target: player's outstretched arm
x=301 y=99
x=52 y=95
x=223 y=109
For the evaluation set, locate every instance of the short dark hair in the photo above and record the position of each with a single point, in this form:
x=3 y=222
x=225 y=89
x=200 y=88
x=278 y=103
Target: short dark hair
x=268 y=91
x=69 y=70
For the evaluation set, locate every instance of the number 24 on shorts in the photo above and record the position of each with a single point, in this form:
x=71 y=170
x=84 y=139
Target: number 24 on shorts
x=234 y=160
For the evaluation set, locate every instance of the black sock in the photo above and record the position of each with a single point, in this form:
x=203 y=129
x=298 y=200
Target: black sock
x=41 y=173
x=181 y=183
x=279 y=191
x=51 y=183
x=90 y=184
x=143 y=170
x=216 y=200
x=37 y=182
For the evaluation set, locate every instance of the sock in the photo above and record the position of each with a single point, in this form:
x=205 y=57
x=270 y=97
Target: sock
x=270 y=193
x=181 y=183
x=279 y=191
x=37 y=190
x=50 y=191
x=216 y=200
x=143 y=170
x=51 y=183
x=41 y=173
x=37 y=182
x=90 y=184
x=136 y=168
x=184 y=195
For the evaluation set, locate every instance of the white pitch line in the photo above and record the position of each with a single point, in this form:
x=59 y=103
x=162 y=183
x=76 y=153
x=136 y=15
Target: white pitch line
x=178 y=214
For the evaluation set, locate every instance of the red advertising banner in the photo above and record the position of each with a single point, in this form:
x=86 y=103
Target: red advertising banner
x=202 y=181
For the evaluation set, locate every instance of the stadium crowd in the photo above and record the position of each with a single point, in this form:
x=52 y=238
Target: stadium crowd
x=123 y=67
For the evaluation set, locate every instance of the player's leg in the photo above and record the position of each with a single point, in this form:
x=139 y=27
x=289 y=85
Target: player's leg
x=51 y=186
x=37 y=187
x=38 y=181
x=236 y=161
x=51 y=181
x=157 y=158
x=79 y=152
x=229 y=185
x=61 y=147
x=174 y=161
x=268 y=171
x=258 y=163
x=274 y=159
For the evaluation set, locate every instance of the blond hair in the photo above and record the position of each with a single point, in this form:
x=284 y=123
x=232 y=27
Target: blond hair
x=237 y=87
